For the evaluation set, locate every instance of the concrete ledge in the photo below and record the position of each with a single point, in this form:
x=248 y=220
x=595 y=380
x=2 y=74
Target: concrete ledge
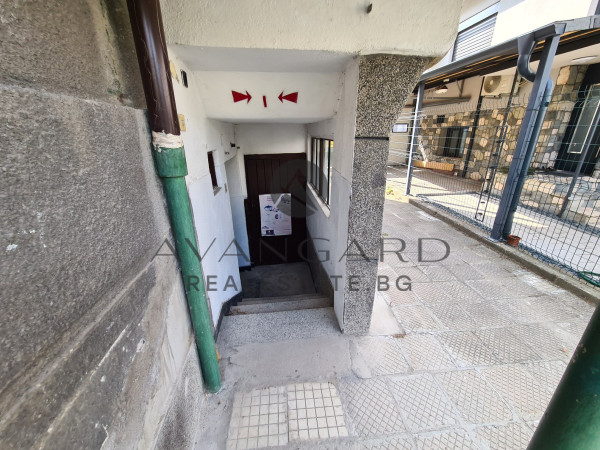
x=551 y=274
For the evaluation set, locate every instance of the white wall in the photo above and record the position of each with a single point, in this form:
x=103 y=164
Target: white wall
x=212 y=211
x=237 y=194
x=265 y=138
x=516 y=17
x=317 y=95
x=426 y=27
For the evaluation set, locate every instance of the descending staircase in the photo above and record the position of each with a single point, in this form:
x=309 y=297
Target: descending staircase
x=277 y=304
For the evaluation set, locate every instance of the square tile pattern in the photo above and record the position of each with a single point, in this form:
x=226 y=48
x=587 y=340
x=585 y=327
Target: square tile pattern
x=277 y=415
x=315 y=412
x=258 y=419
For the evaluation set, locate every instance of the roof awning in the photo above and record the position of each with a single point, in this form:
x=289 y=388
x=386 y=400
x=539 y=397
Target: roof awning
x=576 y=33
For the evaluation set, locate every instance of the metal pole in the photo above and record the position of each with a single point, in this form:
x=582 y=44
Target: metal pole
x=529 y=154
x=526 y=44
x=170 y=162
x=414 y=134
x=572 y=419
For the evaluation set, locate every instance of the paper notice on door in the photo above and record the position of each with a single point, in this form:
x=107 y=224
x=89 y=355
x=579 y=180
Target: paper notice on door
x=273 y=221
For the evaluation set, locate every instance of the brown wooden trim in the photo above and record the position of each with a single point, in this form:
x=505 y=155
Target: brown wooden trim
x=276 y=156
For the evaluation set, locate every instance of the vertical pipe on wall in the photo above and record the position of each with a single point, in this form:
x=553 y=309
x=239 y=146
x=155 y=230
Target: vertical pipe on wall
x=414 y=135
x=511 y=193
x=169 y=158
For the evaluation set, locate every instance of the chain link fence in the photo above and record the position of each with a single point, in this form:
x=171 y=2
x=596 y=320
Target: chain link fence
x=463 y=153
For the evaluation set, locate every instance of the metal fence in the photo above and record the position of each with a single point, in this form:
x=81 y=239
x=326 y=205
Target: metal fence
x=461 y=158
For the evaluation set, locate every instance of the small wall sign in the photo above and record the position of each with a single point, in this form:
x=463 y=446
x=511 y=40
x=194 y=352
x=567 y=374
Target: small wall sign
x=400 y=128
x=273 y=221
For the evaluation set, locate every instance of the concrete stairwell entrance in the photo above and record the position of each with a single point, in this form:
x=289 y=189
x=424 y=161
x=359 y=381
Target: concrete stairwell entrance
x=279 y=287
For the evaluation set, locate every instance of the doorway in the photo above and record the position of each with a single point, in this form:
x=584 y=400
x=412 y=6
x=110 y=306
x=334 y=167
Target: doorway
x=276 y=174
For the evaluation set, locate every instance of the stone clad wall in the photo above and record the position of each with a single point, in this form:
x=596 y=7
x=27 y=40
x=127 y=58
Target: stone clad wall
x=433 y=134
x=94 y=331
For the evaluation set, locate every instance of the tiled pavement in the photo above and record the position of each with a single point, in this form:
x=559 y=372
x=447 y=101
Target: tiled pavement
x=486 y=343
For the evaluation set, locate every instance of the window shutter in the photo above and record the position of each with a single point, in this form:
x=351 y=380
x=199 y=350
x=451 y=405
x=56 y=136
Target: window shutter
x=474 y=39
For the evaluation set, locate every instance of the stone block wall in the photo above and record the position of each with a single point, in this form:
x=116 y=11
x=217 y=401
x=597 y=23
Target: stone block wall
x=94 y=330
x=433 y=134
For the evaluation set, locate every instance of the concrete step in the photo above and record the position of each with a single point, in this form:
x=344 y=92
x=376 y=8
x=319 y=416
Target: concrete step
x=244 y=329
x=284 y=305
x=287 y=298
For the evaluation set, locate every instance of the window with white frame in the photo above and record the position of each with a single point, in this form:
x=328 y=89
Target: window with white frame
x=319 y=173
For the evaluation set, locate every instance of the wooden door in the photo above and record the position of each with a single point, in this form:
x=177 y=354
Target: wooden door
x=275 y=174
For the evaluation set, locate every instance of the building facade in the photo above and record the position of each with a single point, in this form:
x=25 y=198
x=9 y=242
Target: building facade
x=96 y=339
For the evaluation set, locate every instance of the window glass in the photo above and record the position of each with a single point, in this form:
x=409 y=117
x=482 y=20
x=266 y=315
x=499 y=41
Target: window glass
x=321 y=167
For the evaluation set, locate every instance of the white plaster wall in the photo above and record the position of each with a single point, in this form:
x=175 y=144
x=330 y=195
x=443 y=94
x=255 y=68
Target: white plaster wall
x=212 y=211
x=426 y=27
x=237 y=195
x=264 y=138
x=317 y=95
x=517 y=17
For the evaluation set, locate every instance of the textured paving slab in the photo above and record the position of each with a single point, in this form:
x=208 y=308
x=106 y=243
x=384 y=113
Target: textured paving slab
x=371 y=407
x=468 y=359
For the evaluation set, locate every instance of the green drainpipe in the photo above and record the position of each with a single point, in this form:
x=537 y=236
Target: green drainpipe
x=169 y=159
x=172 y=168
x=572 y=419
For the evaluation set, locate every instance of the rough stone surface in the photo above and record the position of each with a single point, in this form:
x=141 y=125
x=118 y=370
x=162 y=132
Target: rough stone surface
x=181 y=422
x=94 y=331
x=84 y=49
x=384 y=83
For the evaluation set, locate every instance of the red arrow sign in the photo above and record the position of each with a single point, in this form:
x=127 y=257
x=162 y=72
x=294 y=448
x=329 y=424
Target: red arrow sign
x=238 y=96
x=289 y=97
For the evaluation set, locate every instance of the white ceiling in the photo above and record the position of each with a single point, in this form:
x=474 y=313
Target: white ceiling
x=211 y=59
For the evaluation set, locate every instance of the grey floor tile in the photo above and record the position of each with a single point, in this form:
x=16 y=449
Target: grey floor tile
x=506 y=346
x=453 y=316
x=519 y=389
x=383 y=355
x=460 y=292
x=475 y=399
x=486 y=314
x=438 y=273
x=424 y=352
x=416 y=318
x=547 y=373
x=430 y=292
x=395 y=443
x=455 y=440
x=371 y=407
x=396 y=297
x=422 y=402
x=464 y=272
x=513 y=436
x=467 y=350
x=546 y=341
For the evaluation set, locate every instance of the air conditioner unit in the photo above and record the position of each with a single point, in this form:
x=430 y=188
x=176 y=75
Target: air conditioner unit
x=495 y=85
